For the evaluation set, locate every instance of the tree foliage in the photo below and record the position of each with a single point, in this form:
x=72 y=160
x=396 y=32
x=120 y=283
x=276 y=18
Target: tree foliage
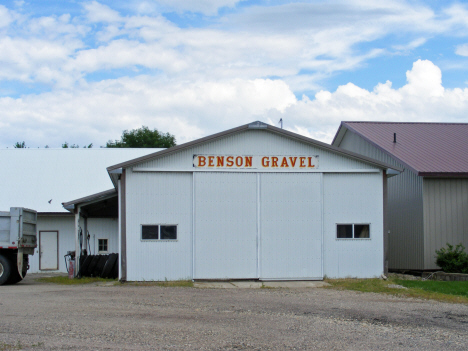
x=65 y=145
x=20 y=145
x=144 y=137
x=452 y=259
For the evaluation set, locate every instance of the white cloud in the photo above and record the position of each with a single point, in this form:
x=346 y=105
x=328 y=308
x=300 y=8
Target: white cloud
x=5 y=17
x=207 y=7
x=422 y=99
x=100 y=111
x=462 y=50
x=97 y=12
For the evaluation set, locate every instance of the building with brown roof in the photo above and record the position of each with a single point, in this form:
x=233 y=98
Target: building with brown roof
x=428 y=202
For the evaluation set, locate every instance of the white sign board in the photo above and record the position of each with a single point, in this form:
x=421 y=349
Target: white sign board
x=283 y=163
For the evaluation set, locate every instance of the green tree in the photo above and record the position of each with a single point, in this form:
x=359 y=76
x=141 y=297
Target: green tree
x=65 y=145
x=20 y=145
x=143 y=137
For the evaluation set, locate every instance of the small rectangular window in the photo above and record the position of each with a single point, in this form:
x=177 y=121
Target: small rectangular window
x=103 y=245
x=159 y=232
x=150 y=232
x=352 y=231
x=168 y=232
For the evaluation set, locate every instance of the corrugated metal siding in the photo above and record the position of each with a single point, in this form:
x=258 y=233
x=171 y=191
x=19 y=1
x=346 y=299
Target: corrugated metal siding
x=445 y=215
x=225 y=225
x=405 y=208
x=66 y=240
x=291 y=226
x=353 y=198
x=159 y=198
x=103 y=228
x=258 y=143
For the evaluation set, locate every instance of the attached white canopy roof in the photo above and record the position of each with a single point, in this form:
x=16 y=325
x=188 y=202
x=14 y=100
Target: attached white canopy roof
x=41 y=179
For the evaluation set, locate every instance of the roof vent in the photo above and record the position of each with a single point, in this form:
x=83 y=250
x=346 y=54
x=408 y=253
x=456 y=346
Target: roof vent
x=394 y=137
x=258 y=125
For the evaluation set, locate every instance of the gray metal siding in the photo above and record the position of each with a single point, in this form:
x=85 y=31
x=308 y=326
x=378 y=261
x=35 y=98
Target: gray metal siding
x=159 y=198
x=257 y=143
x=290 y=226
x=445 y=215
x=405 y=208
x=353 y=199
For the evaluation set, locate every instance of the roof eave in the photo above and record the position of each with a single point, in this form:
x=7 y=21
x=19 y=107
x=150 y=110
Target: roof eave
x=103 y=195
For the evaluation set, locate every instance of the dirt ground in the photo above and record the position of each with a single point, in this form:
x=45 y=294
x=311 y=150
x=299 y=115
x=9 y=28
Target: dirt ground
x=41 y=316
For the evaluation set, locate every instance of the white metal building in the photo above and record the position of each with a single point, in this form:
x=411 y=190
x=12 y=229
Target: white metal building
x=41 y=179
x=253 y=202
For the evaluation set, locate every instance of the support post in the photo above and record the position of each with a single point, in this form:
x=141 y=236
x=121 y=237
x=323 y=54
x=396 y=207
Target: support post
x=77 y=241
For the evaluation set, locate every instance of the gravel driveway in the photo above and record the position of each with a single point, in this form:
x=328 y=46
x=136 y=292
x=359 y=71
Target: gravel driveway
x=124 y=317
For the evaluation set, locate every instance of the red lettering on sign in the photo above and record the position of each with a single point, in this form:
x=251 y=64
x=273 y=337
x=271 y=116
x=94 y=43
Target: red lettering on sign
x=293 y=161
x=285 y=162
x=220 y=161
x=210 y=161
x=201 y=161
x=239 y=161
x=274 y=162
x=265 y=161
x=229 y=161
x=302 y=159
x=248 y=161
x=310 y=162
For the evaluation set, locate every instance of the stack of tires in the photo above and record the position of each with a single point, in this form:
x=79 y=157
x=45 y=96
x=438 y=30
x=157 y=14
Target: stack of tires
x=104 y=266
x=8 y=269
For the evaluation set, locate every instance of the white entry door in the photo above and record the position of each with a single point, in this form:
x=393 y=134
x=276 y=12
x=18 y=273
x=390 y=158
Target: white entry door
x=48 y=250
x=225 y=225
x=291 y=226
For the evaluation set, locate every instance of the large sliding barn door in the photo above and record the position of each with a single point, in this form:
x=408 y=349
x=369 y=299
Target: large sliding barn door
x=225 y=225
x=290 y=226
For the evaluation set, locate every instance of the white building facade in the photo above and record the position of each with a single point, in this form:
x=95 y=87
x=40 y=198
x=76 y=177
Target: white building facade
x=253 y=202
x=41 y=179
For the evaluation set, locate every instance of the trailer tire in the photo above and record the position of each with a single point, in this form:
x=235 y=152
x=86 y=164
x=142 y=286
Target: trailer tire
x=5 y=269
x=14 y=277
x=107 y=270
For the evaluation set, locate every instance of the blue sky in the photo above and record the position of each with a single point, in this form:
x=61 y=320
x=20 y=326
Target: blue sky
x=83 y=71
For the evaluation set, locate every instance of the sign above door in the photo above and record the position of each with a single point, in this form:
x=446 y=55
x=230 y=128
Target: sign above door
x=257 y=162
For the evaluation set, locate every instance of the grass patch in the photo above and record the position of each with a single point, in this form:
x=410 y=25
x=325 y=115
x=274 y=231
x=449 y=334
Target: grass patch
x=453 y=292
x=450 y=288
x=64 y=280
x=166 y=283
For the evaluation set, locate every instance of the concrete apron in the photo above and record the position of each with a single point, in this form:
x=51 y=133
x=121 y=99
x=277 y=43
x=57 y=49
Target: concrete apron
x=257 y=285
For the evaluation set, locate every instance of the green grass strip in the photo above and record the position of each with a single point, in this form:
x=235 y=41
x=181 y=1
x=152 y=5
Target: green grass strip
x=440 y=291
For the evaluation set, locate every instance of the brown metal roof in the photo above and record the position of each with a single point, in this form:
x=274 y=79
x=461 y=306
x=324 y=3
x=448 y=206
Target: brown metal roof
x=429 y=149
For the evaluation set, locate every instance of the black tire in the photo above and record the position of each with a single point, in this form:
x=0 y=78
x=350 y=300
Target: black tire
x=100 y=265
x=5 y=270
x=92 y=266
x=115 y=270
x=14 y=277
x=84 y=268
x=107 y=270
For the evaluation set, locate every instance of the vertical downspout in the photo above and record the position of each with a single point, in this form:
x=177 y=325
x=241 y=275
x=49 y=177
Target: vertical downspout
x=123 y=227
x=385 y=224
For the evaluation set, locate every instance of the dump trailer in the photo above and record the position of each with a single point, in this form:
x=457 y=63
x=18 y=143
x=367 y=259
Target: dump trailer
x=18 y=239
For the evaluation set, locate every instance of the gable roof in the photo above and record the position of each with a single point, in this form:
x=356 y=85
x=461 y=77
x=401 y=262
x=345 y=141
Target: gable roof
x=429 y=149
x=33 y=177
x=257 y=125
